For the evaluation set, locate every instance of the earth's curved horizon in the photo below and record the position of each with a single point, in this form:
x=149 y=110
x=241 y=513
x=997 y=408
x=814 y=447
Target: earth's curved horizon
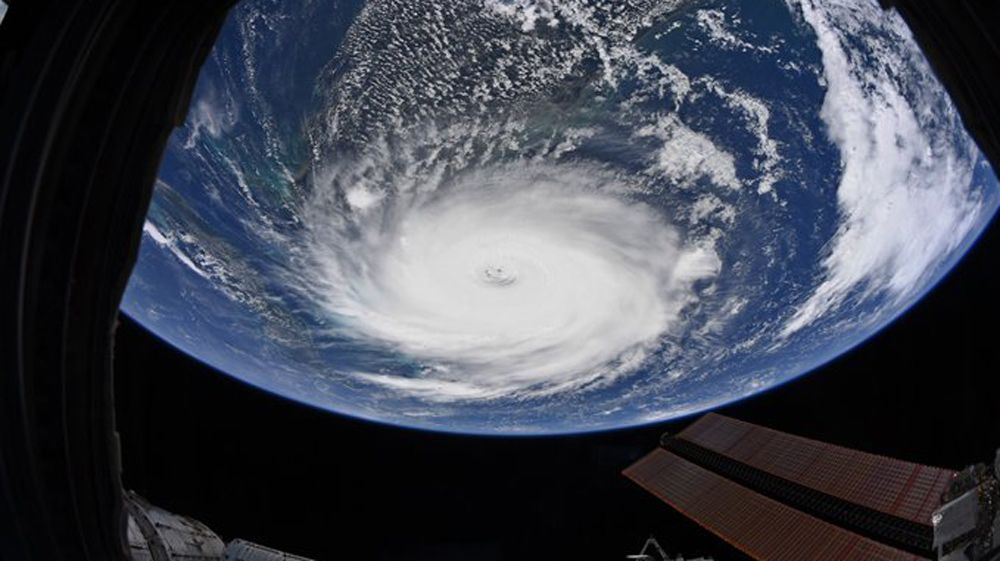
x=517 y=217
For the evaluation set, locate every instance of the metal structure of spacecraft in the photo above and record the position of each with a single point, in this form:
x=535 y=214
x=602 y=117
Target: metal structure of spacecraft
x=651 y=551
x=157 y=535
x=779 y=497
x=90 y=91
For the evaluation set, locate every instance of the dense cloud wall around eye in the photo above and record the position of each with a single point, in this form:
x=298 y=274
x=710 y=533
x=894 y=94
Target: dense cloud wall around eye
x=510 y=281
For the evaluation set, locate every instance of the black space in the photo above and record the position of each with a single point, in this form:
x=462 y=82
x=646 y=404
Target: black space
x=255 y=466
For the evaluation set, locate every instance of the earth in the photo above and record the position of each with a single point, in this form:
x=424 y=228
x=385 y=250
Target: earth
x=551 y=216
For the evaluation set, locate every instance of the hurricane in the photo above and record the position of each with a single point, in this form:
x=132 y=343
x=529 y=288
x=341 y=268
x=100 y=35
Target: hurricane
x=537 y=217
x=516 y=280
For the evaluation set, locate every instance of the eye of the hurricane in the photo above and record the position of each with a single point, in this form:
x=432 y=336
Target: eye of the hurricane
x=499 y=275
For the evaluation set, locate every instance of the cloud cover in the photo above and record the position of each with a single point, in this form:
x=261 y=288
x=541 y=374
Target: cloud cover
x=905 y=195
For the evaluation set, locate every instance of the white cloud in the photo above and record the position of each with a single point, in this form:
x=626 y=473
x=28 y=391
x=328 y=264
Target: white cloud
x=687 y=155
x=714 y=23
x=768 y=159
x=904 y=193
x=210 y=114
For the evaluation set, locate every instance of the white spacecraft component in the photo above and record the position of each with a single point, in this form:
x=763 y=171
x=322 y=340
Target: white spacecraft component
x=155 y=534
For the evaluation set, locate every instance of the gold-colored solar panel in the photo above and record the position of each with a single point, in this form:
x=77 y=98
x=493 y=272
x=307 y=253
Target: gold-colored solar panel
x=761 y=527
x=902 y=489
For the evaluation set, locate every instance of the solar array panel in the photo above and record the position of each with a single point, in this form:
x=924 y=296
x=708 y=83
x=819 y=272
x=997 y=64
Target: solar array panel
x=761 y=527
x=902 y=489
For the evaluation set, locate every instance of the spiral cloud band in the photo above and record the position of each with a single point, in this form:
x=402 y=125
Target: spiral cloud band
x=516 y=281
